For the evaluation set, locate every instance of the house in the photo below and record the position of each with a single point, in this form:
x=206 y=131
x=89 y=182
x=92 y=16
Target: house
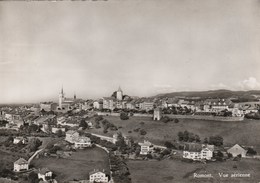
x=23 y=140
x=45 y=174
x=21 y=164
x=71 y=136
x=199 y=152
x=98 y=104
x=82 y=142
x=98 y=176
x=109 y=103
x=146 y=105
x=237 y=150
x=90 y=124
x=146 y=147
x=55 y=129
x=216 y=105
x=48 y=106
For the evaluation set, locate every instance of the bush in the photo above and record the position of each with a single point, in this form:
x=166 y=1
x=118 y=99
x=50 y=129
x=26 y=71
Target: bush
x=251 y=151
x=124 y=116
x=168 y=144
x=143 y=132
x=166 y=119
x=149 y=156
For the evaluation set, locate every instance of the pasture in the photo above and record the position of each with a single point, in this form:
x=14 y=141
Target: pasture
x=169 y=171
x=242 y=132
x=77 y=166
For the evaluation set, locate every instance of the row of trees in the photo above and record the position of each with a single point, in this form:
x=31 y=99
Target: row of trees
x=187 y=136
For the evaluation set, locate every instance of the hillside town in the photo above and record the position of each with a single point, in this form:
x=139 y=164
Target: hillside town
x=48 y=130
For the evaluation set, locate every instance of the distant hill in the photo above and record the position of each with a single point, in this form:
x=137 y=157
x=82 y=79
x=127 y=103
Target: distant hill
x=247 y=95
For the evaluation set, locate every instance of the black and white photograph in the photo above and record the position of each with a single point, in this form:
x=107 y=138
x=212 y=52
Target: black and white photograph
x=130 y=91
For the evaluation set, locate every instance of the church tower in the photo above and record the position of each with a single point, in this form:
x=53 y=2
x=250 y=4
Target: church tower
x=119 y=94
x=61 y=98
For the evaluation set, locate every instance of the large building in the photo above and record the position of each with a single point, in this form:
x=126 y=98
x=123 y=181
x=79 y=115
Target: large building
x=66 y=103
x=48 y=106
x=98 y=176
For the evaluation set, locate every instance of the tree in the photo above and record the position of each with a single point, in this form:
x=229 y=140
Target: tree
x=206 y=141
x=33 y=177
x=124 y=116
x=197 y=138
x=83 y=124
x=34 y=144
x=143 y=132
x=180 y=136
x=216 y=140
x=120 y=141
x=185 y=136
x=168 y=144
x=251 y=151
x=59 y=133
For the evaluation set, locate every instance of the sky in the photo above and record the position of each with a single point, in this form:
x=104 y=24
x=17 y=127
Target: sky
x=145 y=46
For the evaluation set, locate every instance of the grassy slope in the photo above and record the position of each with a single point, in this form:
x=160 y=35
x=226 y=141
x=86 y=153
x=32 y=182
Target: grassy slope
x=243 y=132
x=77 y=166
x=168 y=171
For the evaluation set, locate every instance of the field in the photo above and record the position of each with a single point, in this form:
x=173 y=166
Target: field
x=243 y=132
x=169 y=171
x=77 y=166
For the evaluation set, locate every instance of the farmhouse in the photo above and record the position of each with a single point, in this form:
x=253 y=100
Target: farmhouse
x=44 y=174
x=237 y=150
x=146 y=147
x=98 y=176
x=21 y=164
x=20 y=139
x=71 y=136
x=82 y=142
x=198 y=152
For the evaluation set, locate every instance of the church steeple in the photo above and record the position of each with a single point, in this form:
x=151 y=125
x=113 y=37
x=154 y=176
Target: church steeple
x=119 y=89
x=61 y=97
x=61 y=89
x=119 y=94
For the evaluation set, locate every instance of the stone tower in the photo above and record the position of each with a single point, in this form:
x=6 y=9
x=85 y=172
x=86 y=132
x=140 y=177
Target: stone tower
x=119 y=94
x=61 y=98
x=157 y=114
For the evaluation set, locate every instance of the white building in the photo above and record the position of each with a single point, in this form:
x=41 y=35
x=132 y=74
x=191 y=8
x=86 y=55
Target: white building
x=98 y=176
x=71 y=136
x=55 y=129
x=45 y=174
x=146 y=147
x=82 y=142
x=199 y=153
x=98 y=104
x=20 y=139
x=109 y=103
x=21 y=164
x=146 y=106
x=237 y=150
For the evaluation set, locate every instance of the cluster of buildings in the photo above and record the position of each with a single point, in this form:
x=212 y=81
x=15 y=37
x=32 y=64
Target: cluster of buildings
x=79 y=142
x=205 y=152
x=22 y=165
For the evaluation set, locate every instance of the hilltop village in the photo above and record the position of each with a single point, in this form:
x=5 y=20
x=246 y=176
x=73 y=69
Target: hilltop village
x=80 y=141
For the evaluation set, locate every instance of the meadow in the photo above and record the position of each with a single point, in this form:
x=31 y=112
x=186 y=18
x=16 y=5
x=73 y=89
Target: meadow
x=169 y=171
x=242 y=132
x=77 y=166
